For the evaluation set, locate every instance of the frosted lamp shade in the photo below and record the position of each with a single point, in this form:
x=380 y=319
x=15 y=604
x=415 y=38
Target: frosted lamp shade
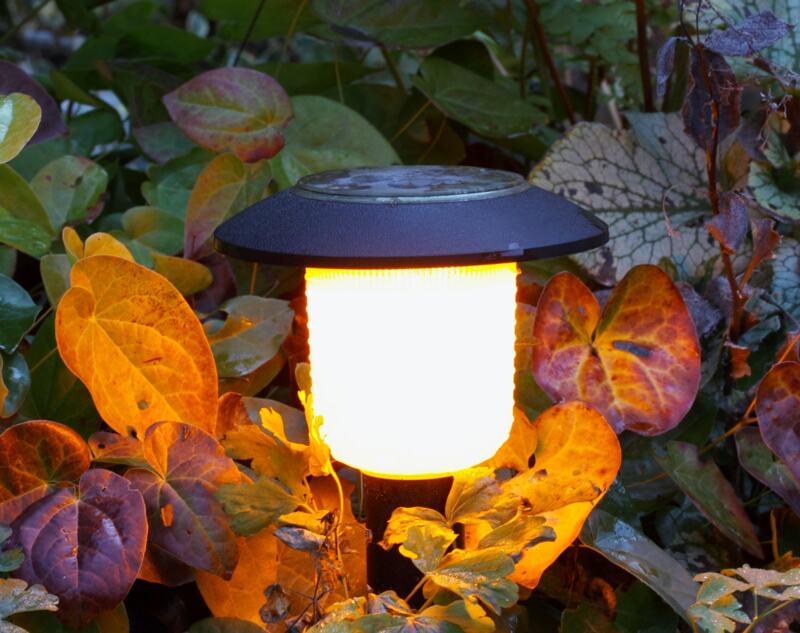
x=413 y=369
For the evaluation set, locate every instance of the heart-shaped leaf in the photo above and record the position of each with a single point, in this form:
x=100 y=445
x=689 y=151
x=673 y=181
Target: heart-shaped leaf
x=223 y=188
x=187 y=466
x=232 y=109
x=34 y=456
x=13 y=79
x=778 y=411
x=71 y=189
x=19 y=119
x=17 y=313
x=24 y=223
x=639 y=363
x=85 y=546
x=169 y=374
x=564 y=453
x=251 y=335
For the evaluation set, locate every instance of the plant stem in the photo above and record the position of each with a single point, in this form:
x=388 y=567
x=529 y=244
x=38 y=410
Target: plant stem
x=249 y=32
x=337 y=527
x=416 y=588
x=289 y=34
x=393 y=69
x=644 y=59
x=410 y=122
x=541 y=41
x=591 y=84
x=15 y=29
x=523 y=80
x=337 y=72
x=434 y=141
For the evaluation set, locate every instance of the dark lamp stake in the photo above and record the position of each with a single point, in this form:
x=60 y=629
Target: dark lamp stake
x=411 y=299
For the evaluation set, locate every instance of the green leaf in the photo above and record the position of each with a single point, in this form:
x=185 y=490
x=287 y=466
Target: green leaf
x=278 y=18
x=15 y=379
x=634 y=552
x=55 y=270
x=473 y=497
x=314 y=77
x=19 y=119
x=224 y=625
x=425 y=544
x=711 y=493
x=170 y=185
x=24 y=223
x=162 y=141
x=17 y=313
x=420 y=24
x=154 y=228
x=586 y=619
x=479 y=103
x=251 y=335
x=756 y=458
x=777 y=202
x=17 y=597
x=480 y=574
x=517 y=535
x=403 y=519
x=786 y=276
x=252 y=507
x=719 y=617
x=70 y=188
x=640 y=610
x=325 y=134
x=162 y=41
x=628 y=178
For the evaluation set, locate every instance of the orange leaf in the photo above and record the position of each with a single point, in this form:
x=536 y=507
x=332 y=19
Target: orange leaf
x=135 y=343
x=639 y=364
x=575 y=444
x=778 y=411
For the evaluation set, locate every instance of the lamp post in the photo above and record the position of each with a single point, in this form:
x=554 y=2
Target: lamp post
x=411 y=295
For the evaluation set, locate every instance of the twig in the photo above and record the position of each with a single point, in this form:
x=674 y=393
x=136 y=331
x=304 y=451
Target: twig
x=289 y=34
x=541 y=40
x=523 y=80
x=392 y=68
x=644 y=60
x=337 y=72
x=15 y=29
x=434 y=141
x=249 y=32
x=410 y=122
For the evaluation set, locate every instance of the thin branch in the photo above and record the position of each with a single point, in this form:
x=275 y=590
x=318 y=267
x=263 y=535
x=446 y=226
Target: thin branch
x=249 y=32
x=410 y=122
x=644 y=59
x=523 y=80
x=289 y=34
x=541 y=41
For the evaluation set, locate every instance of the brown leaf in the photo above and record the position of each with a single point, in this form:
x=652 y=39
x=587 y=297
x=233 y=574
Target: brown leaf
x=739 y=355
x=135 y=343
x=778 y=411
x=729 y=226
x=765 y=240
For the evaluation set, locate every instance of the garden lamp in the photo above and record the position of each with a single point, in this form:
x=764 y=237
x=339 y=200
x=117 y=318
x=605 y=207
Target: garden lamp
x=411 y=295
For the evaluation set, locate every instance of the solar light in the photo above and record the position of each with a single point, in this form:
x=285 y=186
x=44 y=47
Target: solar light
x=411 y=298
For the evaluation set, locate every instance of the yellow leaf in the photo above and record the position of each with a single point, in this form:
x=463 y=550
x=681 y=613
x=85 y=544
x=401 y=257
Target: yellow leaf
x=20 y=116
x=73 y=243
x=187 y=276
x=518 y=448
x=105 y=244
x=577 y=447
x=135 y=343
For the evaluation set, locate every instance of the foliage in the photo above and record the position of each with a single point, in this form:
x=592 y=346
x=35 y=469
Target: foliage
x=158 y=441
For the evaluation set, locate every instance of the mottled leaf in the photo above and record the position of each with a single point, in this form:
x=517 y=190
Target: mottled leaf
x=752 y=34
x=85 y=546
x=711 y=493
x=778 y=411
x=17 y=597
x=756 y=458
x=187 y=467
x=251 y=335
x=563 y=451
x=633 y=551
x=638 y=363
x=785 y=286
x=13 y=79
x=168 y=375
x=771 y=197
x=325 y=134
x=24 y=223
x=232 y=109
x=19 y=119
x=713 y=100
x=630 y=179
x=34 y=457
x=71 y=189
x=17 y=313
x=729 y=226
x=482 y=105
x=224 y=187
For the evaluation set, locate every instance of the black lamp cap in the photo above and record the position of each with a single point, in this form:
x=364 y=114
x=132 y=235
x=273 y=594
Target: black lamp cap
x=409 y=217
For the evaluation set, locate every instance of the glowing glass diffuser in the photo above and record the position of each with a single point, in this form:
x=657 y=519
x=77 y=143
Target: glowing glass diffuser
x=411 y=286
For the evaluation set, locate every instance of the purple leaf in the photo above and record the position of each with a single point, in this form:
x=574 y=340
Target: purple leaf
x=778 y=411
x=756 y=458
x=187 y=466
x=14 y=79
x=749 y=36
x=85 y=548
x=729 y=227
x=665 y=62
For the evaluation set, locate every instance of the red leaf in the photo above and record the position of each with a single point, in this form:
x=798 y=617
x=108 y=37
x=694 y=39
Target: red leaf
x=85 y=548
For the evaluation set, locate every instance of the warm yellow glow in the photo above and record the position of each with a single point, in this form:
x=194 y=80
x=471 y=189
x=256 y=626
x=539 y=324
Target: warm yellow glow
x=413 y=370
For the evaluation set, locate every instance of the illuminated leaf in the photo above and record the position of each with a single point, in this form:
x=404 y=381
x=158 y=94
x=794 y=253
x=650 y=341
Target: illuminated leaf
x=242 y=595
x=711 y=493
x=563 y=451
x=17 y=597
x=778 y=411
x=521 y=443
x=187 y=276
x=639 y=363
x=232 y=109
x=473 y=495
x=71 y=189
x=518 y=535
x=224 y=187
x=481 y=104
x=169 y=374
x=113 y=448
x=403 y=519
x=17 y=313
x=251 y=335
x=34 y=457
x=86 y=546
x=326 y=134
x=253 y=507
x=24 y=223
x=187 y=466
x=478 y=574
x=19 y=119
x=628 y=178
